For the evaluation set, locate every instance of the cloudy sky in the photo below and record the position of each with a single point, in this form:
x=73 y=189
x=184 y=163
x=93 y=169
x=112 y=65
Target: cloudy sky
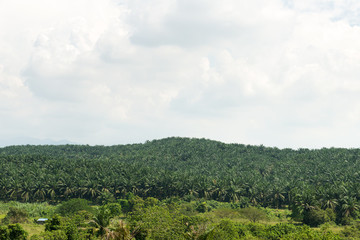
x=282 y=73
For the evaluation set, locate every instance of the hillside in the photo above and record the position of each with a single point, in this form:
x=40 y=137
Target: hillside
x=179 y=167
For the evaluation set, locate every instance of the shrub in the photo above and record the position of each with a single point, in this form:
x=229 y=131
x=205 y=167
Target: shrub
x=256 y=229
x=150 y=202
x=243 y=202
x=226 y=230
x=72 y=206
x=4 y=233
x=202 y=207
x=188 y=209
x=55 y=223
x=114 y=209
x=15 y=215
x=16 y=232
x=317 y=216
x=280 y=230
x=157 y=223
x=58 y=226
x=125 y=205
x=253 y=214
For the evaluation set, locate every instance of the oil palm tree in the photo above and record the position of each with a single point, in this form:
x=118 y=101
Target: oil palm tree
x=101 y=221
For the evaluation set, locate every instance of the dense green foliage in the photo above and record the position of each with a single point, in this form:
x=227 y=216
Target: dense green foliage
x=15 y=215
x=188 y=168
x=12 y=232
x=73 y=206
x=151 y=219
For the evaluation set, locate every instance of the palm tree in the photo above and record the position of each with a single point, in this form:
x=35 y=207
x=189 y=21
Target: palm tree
x=233 y=191
x=328 y=200
x=90 y=190
x=25 y=191
x=66 y=188
x=13 y=189
x=52 y=188
x=349 y=206
x=101 y=221
x=39 y=192
x=302 y=203
x=121 y=232
x=277 y=196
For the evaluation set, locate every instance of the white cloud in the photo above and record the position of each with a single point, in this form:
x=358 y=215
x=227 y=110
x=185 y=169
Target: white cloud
x=198 y=23
x=281 y=73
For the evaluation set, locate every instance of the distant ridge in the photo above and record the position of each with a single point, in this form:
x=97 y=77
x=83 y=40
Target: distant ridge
x=32 y=141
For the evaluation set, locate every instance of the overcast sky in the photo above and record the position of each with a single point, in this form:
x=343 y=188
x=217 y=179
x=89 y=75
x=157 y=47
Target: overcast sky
x=105 y=72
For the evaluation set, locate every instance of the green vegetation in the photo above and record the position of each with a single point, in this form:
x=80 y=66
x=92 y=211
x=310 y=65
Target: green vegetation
x=253 y=214
x=15 y=215
x=13 y=232
x=172 y=219
x=73 y=206
x=180 y=188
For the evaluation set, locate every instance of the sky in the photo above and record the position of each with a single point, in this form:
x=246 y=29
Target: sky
x=282 y=73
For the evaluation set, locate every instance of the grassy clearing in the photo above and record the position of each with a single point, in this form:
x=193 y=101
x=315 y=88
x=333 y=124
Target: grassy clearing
x=33 y=228
x=34 y=210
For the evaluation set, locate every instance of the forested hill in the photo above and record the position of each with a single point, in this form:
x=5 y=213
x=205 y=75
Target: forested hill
x=180 y=167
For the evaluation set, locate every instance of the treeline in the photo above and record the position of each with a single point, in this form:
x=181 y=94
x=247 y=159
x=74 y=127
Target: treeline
x=303 y=180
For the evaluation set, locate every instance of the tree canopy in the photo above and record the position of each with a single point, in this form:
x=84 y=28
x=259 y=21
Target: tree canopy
x=303 y=179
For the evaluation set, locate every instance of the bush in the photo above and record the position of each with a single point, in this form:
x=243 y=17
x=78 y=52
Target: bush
x=114 y=209
x=15 y=215
x=4 y=233
x=150 y=202
x=157 y=223
x=243 y=202
x=58 y=226
x=202 y=207
x=306 y=233
x=280 y=230
x=253 y=214
x=73 y=206
x=53 y=224
x=16 y=232
x=125 y=205
x=226 y=230
x=188 y=209
x=255 y=229
x=135 y=202
x=316 y=217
